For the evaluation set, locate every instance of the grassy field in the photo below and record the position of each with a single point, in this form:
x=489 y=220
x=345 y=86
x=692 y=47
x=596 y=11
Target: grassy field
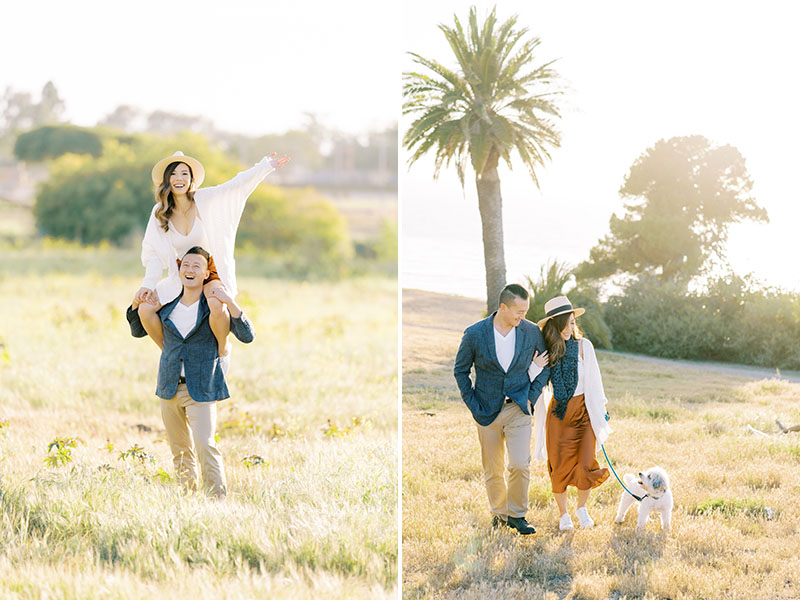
x=308 y=438
x=736 y=527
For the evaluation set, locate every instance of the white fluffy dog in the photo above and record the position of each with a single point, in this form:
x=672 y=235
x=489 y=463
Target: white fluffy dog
x=653 y=484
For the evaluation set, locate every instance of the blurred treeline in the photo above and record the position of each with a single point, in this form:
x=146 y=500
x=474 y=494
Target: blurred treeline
x=659 y=283
x=97 y=187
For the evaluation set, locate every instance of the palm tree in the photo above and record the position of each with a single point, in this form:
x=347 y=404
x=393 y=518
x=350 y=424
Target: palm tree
x=495 y=102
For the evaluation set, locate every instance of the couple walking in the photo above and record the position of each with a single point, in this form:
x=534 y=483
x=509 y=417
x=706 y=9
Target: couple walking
x=187 y=230
x=514 y=359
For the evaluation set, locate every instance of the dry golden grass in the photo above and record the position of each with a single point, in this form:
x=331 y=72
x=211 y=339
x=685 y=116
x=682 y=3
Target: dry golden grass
x=314 y=397
x=736 y=529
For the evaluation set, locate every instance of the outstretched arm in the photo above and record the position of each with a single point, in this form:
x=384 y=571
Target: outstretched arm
x=245 y=182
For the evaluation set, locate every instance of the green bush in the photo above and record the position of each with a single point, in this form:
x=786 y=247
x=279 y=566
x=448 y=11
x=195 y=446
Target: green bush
x=553 y=278
x=732 y=321
x=297 y=231
x=91 y=207
x=299 y=226
x=54 y=141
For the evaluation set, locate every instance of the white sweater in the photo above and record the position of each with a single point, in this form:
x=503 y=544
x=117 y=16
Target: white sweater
x=594 y=397
x=220 y=209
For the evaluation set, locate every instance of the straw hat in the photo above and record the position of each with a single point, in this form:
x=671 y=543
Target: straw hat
x=198 y=172
x=558 y=306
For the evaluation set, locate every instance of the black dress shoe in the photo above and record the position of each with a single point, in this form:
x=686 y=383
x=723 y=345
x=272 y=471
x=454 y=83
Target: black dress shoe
x=498 y=522
x=521 y=525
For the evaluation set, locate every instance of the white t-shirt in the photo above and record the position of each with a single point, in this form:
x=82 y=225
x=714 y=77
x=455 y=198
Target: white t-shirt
x=185 y=318
x=505 y=347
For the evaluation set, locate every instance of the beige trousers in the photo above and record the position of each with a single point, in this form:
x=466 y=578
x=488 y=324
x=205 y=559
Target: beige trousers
x=190 y=429
x=513 y=427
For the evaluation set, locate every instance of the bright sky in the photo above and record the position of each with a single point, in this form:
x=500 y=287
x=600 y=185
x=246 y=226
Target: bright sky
x=638 y=72
x=250 y=66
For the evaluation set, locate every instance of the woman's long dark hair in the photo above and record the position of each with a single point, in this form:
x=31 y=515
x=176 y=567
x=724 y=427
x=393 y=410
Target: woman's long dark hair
x=164 y=197
x=556 y=347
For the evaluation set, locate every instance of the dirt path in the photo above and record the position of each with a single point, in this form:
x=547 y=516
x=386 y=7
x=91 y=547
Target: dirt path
x=726 y=368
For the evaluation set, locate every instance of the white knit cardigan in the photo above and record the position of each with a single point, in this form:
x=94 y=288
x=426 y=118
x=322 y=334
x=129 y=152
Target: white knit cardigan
x=594 y=397
x=220 y=209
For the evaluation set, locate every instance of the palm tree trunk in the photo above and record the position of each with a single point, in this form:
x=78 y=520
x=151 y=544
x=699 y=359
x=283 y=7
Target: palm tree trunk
x=490 y=205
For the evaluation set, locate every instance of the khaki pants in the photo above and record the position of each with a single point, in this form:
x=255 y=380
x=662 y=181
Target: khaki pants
x=191 y=426
x=514 y=427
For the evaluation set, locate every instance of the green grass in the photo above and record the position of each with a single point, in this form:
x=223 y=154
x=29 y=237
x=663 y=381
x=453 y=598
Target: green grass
x=735 y=530
x=308 y=439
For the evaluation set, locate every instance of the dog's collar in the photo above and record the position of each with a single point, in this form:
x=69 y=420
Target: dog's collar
x=654 y=497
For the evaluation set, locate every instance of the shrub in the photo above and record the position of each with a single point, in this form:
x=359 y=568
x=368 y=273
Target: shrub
x=94 y=206
x=732 y=321
x=553 y=278
x=53 y=141
x=299 y=226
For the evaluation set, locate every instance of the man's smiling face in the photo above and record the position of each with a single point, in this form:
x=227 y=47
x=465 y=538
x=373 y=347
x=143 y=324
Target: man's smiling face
x=194 y=269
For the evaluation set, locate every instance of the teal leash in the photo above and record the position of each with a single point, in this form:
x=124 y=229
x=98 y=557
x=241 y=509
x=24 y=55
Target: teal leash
x=639 y=498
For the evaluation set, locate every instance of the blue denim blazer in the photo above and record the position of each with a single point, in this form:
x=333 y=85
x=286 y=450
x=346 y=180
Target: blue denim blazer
x=492 y=385
x=205 y=380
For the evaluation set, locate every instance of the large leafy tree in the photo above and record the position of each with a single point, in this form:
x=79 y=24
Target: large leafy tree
x=681 y=197
x=495 y=103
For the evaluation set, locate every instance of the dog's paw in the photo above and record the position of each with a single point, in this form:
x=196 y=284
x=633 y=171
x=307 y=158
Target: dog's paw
x=618 y=520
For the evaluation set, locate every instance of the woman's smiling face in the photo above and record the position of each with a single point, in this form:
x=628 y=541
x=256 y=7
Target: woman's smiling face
x=180 y=180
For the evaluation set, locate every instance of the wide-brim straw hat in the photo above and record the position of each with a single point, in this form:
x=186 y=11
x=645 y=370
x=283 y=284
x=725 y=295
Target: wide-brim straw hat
x=198 y=172
x=558 y=306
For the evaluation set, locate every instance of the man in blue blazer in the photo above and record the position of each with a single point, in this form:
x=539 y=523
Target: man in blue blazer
x=501 y=348
x=190 y=374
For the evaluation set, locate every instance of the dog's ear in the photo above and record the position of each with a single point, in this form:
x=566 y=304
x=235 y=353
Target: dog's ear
x=657 y=482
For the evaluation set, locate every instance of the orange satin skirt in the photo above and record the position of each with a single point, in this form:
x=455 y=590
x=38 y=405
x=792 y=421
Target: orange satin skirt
x=571 y=447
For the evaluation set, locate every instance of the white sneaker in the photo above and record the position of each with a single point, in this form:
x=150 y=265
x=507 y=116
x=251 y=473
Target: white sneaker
x=583 y=518
x=565 y=524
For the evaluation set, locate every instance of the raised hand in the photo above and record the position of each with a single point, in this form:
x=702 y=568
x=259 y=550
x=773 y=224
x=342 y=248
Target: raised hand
x=277 y=163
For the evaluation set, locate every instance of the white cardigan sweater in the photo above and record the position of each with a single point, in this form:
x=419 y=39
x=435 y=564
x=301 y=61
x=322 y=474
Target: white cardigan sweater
x=594 y=397
x=220 y=209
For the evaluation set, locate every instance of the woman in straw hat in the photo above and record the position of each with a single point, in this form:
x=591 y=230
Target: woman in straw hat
x=574 y=422
x=185 y=216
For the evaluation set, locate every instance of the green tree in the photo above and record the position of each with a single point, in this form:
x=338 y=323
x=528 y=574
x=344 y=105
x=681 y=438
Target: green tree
x=94 y=206
x=53 y=141
x=681 y=196
x=494 y=103
x=20 y=112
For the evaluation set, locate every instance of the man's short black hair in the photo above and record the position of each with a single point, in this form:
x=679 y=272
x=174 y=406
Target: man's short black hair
x=511 y=292
x=197 y=250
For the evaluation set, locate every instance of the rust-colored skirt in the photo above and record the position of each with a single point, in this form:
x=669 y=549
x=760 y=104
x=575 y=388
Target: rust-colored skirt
x=570 y=449
x=212 y=270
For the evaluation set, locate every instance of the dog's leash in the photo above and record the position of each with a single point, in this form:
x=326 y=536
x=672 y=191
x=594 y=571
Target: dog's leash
x=639 y=498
